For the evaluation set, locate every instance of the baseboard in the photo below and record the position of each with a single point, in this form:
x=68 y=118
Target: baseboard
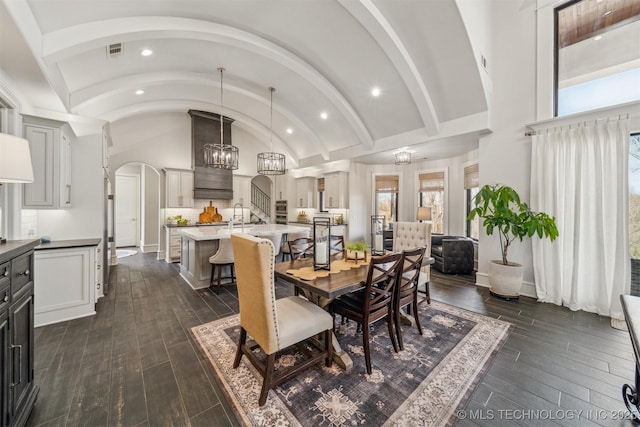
x=528 y=289
x=149 y=248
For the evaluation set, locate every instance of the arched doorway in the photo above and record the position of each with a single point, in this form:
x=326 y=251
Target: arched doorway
x=262 y=185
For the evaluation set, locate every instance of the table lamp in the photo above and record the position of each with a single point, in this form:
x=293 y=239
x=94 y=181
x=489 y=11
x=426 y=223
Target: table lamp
x=15 y=162
x=321 y=243
x=424 y=213
x=377 y=235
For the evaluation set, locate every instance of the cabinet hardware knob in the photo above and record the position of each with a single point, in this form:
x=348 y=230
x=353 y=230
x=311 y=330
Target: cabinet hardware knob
x=6 y=298
x=6 y=273
x=25 y=273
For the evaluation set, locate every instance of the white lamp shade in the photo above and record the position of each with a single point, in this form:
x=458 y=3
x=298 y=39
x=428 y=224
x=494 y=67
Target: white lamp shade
x=15 y=159
x=424 y=214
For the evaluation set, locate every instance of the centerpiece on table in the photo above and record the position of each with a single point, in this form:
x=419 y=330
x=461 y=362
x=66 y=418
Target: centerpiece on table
x=356 y=250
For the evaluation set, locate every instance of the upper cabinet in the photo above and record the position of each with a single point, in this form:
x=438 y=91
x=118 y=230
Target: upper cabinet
x=179 y=185
x=305 y=196
x=281 y=187
x=336 y=190
x=51 y=159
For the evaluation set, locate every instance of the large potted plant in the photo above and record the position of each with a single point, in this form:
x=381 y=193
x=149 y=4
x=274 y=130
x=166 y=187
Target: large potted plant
x=500 y=208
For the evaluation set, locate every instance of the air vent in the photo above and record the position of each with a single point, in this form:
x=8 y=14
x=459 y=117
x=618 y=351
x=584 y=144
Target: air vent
x=114 y=50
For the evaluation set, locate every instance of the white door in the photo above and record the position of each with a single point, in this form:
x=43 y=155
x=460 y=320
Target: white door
x=127 y=199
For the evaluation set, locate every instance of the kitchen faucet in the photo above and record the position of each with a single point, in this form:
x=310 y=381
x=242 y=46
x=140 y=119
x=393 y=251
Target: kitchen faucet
x=241 y=215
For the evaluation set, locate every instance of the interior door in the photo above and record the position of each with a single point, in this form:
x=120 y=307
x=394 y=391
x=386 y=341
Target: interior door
x=127 y=210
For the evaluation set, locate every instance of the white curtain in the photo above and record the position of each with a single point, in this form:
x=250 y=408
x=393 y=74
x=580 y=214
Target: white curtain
x=579 y=175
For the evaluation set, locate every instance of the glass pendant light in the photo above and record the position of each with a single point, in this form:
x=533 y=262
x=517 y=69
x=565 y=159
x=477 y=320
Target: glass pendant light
x=221 y=156
x=403 y=158
x=272 y=163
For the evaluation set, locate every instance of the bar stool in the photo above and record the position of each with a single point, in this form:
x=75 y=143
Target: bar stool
x=276 y=239
x=222 y=258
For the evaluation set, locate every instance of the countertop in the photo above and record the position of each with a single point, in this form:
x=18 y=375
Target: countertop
x=213 y=233
x=66 y=244
x=208 y=224
x=311 y=223
x=12 y=248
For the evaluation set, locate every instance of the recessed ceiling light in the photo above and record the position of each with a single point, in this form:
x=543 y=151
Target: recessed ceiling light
x=375 y=91
x=324 y=115
x=146 y=52
x=597 y=38
x=289 y=131
x=139 y=92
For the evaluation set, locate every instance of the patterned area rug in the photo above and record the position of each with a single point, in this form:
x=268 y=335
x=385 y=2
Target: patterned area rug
x=422 y=385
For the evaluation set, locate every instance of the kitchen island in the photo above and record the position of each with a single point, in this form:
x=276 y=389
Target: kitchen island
x=199 y=243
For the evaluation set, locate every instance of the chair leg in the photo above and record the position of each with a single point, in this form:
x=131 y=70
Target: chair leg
x=426 y=292
x=241 y=342
x=392 y=334
x=213 y=269
x=367 y=351
x=415 y=314
x=399 y=330
x=219 y=279
x=268 y=376
x=233 y=273
x=328 y=337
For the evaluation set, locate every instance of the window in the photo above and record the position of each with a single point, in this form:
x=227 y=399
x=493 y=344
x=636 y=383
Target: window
x=597 y=54
x=387 y=197
x=432 y=195
x=634 y=196
x=471 y=188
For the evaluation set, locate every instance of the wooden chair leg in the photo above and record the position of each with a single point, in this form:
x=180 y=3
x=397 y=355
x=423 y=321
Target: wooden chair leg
x=367 y=351
x=219 y=279
x=426 y=292
x=328 y=334
x=213 y=269
x=399 y=330
x=415 y=315
x=268 y=377
x=392 y=334
x=241 y=341
x=233 y=273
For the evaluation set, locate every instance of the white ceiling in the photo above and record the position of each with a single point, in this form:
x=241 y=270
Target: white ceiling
x=320 y=55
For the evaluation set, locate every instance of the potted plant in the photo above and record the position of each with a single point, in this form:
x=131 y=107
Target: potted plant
x=500 y=208
x=356 y=250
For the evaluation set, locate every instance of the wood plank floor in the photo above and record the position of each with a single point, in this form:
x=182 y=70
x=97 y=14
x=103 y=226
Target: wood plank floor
x=135 y=364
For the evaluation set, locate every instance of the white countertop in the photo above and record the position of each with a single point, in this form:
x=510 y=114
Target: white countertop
x=215 y=233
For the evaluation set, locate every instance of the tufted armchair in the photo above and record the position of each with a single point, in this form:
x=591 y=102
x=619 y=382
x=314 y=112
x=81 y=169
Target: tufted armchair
x=452 y=254
x=411 y=235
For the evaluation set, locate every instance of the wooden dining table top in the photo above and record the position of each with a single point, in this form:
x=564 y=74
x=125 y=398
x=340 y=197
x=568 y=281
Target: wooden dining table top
x=331 y=286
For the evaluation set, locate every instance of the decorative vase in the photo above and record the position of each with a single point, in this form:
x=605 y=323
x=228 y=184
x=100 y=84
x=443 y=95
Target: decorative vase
x=217 y=217
x=205 y=216
x=356 y=255
x=505 y=280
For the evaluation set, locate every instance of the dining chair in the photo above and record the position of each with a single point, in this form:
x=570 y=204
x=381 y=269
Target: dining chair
x=291 y=237
x=407 y=289
x=374 y=301
x=273 y=324
x=301 y=248
x=222 y=258
x=336 y=244
x=411 y=235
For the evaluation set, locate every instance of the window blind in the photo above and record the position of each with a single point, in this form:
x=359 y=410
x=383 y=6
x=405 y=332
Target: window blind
x=387 y=184
x=433 y=181
x=471 y=177
x=320 y=184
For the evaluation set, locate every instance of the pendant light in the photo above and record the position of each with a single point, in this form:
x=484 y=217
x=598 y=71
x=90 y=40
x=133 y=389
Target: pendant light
x=272 y=163
x=221 y=156
x=403 y=158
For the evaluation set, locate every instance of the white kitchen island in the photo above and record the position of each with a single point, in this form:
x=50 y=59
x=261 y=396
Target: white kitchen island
x=199 y=243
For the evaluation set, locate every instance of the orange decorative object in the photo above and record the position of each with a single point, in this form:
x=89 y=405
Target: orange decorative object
x=217 y=217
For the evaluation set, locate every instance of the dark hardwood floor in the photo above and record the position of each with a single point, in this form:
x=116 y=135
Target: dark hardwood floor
x=135 y=363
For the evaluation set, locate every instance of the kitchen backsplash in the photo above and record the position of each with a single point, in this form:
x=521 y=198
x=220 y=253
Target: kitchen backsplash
x=193 y=214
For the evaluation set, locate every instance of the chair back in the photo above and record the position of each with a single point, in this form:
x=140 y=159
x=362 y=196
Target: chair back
x=336 y=244
x=412 y=262
x=256 y=289
x=293 y=236
x=411 y=235
x=382 y=278
x=301 y=248
x=224 y=254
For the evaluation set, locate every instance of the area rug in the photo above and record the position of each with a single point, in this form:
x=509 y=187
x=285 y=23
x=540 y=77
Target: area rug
x=121 y=253
x=423 y=385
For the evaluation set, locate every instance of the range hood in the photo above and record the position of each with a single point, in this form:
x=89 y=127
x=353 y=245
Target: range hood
x=209 y=183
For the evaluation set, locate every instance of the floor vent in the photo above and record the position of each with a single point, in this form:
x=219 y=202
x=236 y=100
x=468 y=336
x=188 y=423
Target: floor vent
x=114 y=50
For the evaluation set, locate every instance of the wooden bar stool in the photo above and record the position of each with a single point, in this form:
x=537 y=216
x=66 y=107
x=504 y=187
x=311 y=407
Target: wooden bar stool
x=222 y=258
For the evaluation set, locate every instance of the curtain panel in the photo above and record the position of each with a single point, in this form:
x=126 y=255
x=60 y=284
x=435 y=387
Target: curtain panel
x=579 y=175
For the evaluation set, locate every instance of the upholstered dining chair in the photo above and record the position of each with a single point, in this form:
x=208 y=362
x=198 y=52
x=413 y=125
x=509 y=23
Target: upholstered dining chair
x=411 y=235
x=273 y=324
x=301 y=248
x=407 y=289
x=373 y=302
x=291 y=237
x=222 y=258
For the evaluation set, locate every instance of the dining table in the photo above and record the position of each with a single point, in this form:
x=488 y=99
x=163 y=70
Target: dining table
x=323 y=290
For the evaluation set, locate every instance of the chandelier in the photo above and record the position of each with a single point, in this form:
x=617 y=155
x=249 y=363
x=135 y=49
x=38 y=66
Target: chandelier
x=272 y=163
x=403 y=158
x=221 y=156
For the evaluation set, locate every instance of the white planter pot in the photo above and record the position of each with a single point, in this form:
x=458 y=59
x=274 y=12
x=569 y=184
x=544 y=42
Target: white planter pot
x=505 y=280
x=360 y=255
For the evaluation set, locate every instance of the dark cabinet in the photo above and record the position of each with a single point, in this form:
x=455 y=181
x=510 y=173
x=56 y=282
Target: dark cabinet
x=18 y=391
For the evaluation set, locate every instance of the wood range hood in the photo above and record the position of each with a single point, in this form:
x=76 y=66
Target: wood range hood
x=209 y=183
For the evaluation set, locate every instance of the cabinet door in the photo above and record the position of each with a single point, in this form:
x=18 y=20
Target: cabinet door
x=173 y=189
x=65 y=172
x=330 y=192
x=186 y=189
x=21 y=352
x=4 y=368
x=39 y=193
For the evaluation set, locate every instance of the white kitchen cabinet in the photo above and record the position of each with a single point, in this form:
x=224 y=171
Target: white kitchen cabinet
x=281 y=187
x=336 y=190
x=51 y=160
x=242 y=190
x=172 y=245
x=305 y=194
x=65 y=284
x=179 y=184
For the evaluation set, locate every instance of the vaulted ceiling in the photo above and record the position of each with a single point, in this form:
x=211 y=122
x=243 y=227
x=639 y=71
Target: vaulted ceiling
x=320 y=55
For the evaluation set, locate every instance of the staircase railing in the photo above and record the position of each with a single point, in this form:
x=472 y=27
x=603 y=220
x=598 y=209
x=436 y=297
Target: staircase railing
x=260 y=200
